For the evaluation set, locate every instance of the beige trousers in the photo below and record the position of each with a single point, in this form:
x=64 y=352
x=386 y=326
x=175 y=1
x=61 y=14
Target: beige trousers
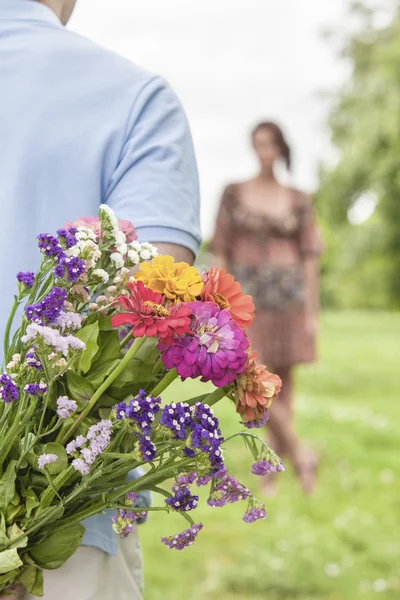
x=91 y=574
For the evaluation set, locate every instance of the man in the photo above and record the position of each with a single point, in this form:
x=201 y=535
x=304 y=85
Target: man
x=80 y=126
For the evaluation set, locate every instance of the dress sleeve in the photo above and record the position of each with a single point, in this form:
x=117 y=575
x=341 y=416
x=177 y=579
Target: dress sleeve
x=311 y=243
x=221 y=241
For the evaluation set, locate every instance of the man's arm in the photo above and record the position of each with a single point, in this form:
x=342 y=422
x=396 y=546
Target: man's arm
x=178 y=253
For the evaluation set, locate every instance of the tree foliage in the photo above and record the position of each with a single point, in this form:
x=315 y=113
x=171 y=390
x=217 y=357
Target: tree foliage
x=363 y=262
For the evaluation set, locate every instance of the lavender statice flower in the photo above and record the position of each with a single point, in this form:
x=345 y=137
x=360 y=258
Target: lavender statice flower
x=50 y=246
x=142 y=410
x=71 y=268
x=179 y=541
x=48 y=309
x=124 y=520
x=255 y=512
x=8 y=389
x=27 y=279
x=264 y=466
x=227 y=490
x=68 y=320
x=79 y=465
x=52 y=337
x=46 y=459
x=35 y=389
x=203 y=480
x=65 y=407
x=256 y=424
x=74 y=445
x=67 y=237
x=177 y=418
x=215 y=350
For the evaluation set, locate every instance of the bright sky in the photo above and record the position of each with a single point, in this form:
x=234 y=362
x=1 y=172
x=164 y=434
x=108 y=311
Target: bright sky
x=232 y=63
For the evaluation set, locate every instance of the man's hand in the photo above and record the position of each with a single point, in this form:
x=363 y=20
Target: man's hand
x=178 y=253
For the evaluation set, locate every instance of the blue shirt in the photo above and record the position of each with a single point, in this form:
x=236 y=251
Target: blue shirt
x=80 y=126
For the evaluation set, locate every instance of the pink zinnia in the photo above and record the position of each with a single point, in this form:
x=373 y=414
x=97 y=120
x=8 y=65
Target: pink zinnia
x=215 y=349
x=94 y=224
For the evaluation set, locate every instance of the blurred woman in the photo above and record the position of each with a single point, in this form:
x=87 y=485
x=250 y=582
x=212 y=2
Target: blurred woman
x=267 y=238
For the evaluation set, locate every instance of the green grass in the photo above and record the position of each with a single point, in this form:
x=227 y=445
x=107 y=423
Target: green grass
x=343 y=543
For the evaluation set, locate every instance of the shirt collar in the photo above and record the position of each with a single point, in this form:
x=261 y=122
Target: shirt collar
x=27 y=10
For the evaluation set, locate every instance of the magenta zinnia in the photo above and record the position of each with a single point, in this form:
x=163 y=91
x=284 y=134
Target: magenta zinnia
x=214 y=349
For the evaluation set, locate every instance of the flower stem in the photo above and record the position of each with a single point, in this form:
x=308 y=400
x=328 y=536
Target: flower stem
x=126 y=339
x=164 y=383
x=14 y=309
x=215 y=397
x=105 y=385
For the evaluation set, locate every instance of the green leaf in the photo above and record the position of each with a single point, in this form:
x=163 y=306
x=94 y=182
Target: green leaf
x=32 y=578
x=89 y=335
x=80 y=389
x=58 y=547
x=15 y=532
x=7 y=485
x=31 y=501
x=9 y=560
x=62 y=458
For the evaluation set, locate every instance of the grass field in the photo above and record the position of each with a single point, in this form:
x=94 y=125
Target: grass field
x=343 y=543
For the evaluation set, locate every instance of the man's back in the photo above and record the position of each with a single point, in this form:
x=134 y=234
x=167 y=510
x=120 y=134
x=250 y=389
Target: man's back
x=80 y=126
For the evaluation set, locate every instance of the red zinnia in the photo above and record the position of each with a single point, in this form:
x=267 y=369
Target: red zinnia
x=146 y=312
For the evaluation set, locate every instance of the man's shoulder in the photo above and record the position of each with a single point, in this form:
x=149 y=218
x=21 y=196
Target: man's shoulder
x=97 y=61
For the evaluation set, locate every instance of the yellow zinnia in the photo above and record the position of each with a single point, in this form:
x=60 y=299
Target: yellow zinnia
x=179 y=282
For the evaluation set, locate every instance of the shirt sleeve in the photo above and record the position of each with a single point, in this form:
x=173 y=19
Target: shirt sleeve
x=155 y=184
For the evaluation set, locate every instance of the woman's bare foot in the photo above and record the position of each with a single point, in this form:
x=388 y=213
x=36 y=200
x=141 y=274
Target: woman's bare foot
x=306 y=469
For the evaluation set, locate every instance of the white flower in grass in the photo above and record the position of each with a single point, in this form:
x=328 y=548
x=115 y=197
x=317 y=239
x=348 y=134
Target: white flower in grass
x=117 y=259
x=101 y=275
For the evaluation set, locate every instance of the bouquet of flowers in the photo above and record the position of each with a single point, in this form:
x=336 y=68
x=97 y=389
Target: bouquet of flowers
x=81 y=396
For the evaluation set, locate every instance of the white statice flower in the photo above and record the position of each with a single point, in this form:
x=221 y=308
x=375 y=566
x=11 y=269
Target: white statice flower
x=117 y=259
x=133 y=257
x=135 y=245
x=16 y=359
x=145 y=254
x=122 y=249
x=68 y=320
x=120 y=237
x=86 y=233
x=101 y=275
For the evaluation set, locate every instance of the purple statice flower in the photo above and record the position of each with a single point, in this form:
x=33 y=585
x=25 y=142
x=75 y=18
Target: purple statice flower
x=46 y=459
x=147 y=449
x=74 y=445
x=27 y=279
x=8 y=389
x=33 y=362
x=264 y=466
x=130 y=498
x=142 y=410
x=48 y=309
x=50 y=246
x=67 y=237
x=179 y=541
x=99 y=436
x=203 y=480
x=255 y=512
x=35 y=389
x=185 y=479
x=215 y=350
x=182 y=500
x=198 y=426
x=71 y=268
x=79 y=465
x=256 y=424
x=227 y=490
x=124 y=520
x=177 y=418
x=65 y=407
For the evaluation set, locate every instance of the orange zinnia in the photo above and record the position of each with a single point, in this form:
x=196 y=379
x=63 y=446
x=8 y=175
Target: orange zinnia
x=256 y=388
x=221 y=288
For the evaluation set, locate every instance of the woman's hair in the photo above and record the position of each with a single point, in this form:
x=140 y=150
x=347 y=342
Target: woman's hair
x=279 y=139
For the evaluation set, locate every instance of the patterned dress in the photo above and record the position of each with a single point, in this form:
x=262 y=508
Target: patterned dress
x=267 y=256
